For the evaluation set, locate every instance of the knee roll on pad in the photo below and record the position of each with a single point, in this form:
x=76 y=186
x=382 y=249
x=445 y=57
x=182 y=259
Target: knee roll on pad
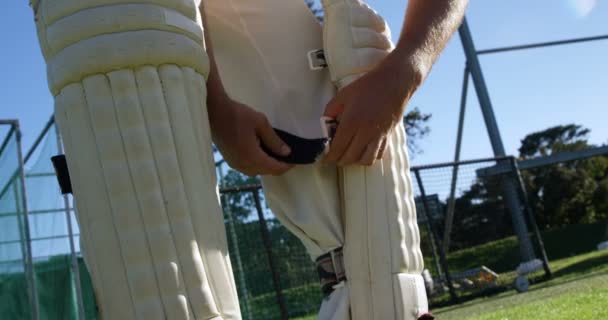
x=355 y=38
x=130 y=102
x=85 y=37
x=382 y=253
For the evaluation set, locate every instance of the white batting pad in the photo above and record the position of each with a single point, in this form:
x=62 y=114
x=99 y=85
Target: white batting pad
x=355 y=39
x=130 y=101
x=382 y=239
x=382 y=242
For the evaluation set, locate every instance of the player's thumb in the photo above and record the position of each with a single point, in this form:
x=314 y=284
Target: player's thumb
x=334 y=107
x=271 y=140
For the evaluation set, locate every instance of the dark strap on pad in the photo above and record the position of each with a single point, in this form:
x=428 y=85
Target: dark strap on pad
x=63 y=175
x=303 y=151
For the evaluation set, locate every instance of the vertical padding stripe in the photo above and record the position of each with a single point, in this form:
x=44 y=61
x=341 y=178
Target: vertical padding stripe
x=169 y=267
x=416 y=251
x=122 y=197
x=380 y=237
x=396 y=205
x=196 y=96
x=356 y=245
x=87 y=247
x=231 y=308
x=202 y=213
x=146 y=193
x=91 y=190
x=413 y=239
x=210 y=169
x=196 y=92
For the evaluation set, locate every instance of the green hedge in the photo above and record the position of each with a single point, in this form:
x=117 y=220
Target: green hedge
x=503 y=255
x=56 y=294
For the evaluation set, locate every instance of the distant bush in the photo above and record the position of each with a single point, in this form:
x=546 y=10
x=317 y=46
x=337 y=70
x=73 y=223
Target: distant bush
x=503 y=255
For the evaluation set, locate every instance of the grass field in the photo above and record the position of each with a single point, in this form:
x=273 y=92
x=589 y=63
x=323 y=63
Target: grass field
x=578 y=290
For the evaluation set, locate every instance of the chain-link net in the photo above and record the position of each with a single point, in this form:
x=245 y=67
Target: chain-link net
x=274 y=274
x=275 y=277
x=480 y=218
x=14 y=281
x=56 y=266
x=466 y=215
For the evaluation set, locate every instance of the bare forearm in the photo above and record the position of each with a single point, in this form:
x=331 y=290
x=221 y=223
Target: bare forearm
x=215 y=89
x=428 y=26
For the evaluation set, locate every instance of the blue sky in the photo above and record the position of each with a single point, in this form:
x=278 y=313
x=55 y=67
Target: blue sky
x=531 y=90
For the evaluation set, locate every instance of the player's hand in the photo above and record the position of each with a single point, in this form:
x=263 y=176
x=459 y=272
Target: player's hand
x=238 y=130
x=369 y=109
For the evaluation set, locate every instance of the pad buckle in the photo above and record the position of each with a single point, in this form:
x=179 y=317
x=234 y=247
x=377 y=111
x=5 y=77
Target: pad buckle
x=316 y=59
x=330 y=267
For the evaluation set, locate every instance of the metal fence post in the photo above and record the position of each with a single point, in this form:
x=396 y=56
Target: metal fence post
x=483 y=95
x=452 y=200
x=237 y=251
x=276 y=279
x=74 y=266
x=430 y=229
x=531 y=216
x=28 y=241
x=442 y=257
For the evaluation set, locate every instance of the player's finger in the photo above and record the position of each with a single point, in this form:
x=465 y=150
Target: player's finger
x=264 y=164
x=270 y=139
x=334 y=107
x=382 y=149
x=355 y=149
x=340 y=143
x=371 y=152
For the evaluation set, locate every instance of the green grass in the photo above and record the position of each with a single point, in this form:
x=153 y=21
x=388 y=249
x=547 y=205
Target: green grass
x=300 y=301
x=579 y=290
x=587 y=305
x=579 y=285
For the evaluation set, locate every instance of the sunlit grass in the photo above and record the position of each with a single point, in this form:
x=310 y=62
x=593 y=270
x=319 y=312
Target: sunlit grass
x=579 y=290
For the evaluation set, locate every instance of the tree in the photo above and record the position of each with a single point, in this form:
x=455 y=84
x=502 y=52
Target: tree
x=240 y=204
x=316 y=11
x=416 y=128
x=480 y=215
x=543 y=143
x=565 y=193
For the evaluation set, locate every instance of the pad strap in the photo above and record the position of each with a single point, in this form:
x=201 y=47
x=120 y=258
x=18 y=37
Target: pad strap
x=63 y=174
x=330 y=267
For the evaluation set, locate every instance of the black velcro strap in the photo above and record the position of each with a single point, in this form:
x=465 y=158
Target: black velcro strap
x=330 y=267
x=63 y=174
x=303 y=151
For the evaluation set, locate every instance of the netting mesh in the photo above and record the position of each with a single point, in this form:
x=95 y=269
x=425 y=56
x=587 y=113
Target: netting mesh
x=274 y=275
x=13 y=280
x=52 y=275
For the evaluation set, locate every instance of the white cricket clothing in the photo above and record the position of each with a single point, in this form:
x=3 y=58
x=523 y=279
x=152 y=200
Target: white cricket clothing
x=261 y=49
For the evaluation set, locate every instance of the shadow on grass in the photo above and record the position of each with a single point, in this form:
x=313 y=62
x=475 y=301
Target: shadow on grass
x=582 y=266
x=578 y=271
x=574 y=279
